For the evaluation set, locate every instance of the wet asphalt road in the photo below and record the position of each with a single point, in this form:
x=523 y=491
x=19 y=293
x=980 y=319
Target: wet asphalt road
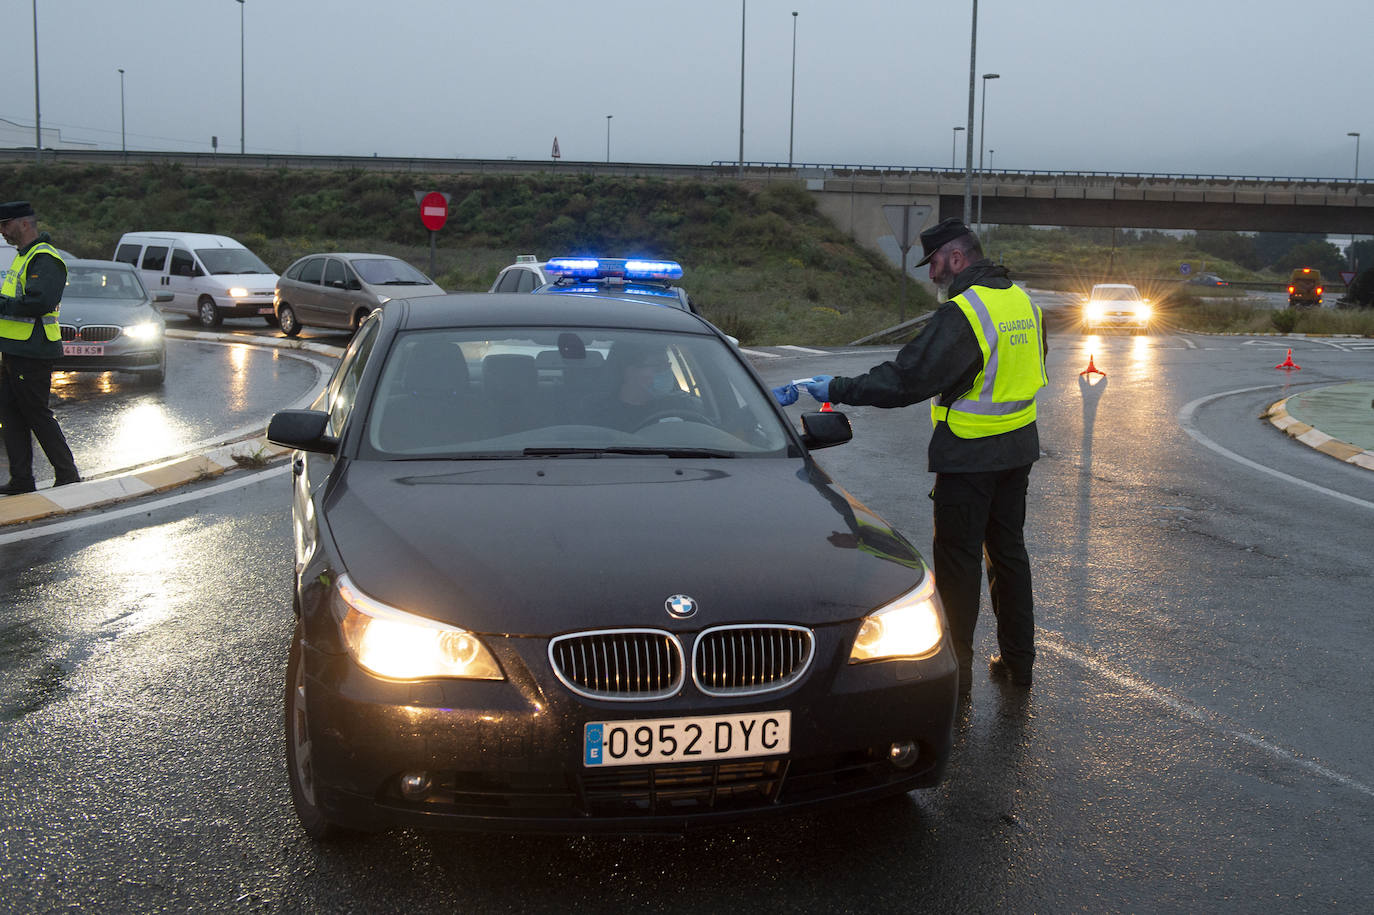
x=1193 y=741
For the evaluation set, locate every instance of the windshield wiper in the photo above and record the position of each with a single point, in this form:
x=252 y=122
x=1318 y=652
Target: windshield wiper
x=645 y=450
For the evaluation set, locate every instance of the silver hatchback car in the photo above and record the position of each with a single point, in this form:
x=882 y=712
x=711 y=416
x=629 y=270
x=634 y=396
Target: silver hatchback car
x=340 y=290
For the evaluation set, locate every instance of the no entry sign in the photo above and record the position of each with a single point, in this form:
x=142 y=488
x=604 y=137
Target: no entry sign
x=434 y=210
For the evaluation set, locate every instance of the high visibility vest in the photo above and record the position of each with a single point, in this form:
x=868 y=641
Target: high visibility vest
x=13 y=327
x=1008 y=327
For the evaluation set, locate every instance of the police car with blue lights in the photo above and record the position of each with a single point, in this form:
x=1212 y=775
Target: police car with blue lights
x=635 y=279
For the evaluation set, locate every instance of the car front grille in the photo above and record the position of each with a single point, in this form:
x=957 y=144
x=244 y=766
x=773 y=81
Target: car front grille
x=91 y=333
x=626 y=664
x=683 y=789
x=741 y=660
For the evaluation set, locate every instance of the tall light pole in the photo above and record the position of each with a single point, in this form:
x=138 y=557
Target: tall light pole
x=982 y=120
x=953 y=143
x=1354 y=264
x=792 y=124
x=242 y=80
x=37 y=120
x=968 y=144
x=743 y=9
x=123 y=144
x=608 y=138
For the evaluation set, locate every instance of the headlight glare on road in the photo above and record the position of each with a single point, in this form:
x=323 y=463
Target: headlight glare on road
x=147 y=331
x=401 y=646
x=909 y=627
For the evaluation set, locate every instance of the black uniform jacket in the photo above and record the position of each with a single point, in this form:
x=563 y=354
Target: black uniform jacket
x=943 y=361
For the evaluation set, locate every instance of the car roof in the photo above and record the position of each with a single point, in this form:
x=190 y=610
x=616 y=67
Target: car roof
x=194 y=239
x=506 y=309
x=96 y=262
x=349 y=254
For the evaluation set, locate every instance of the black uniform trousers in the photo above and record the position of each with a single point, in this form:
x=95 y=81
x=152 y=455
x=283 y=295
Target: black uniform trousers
x=25 y=385
x=980 y=515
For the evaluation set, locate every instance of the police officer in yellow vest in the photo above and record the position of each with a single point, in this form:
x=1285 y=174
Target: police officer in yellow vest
x=982 y=357
x=29 y=342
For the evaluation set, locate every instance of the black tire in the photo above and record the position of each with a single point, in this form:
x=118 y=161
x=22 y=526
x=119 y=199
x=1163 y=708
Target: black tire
x=270 y=320
x=286 y=320
x=207 y=313
x=299 y=767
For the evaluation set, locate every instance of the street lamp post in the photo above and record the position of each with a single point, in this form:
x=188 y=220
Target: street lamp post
x=953 y=144
x=37 y=120
x=743 y=10
x=123 y=143
x=608 y=138
x=982 y=120
x=792 y=123
x=968 y=143
x=1356 y=135
x=242 y=81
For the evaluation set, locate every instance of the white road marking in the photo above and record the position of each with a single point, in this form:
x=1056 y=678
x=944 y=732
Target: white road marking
x=1185 y=419
x=1200 y=714
x=803 y=349
x=141 y=508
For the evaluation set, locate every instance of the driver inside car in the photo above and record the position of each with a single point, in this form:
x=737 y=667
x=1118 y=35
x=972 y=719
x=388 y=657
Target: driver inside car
x=642 y=387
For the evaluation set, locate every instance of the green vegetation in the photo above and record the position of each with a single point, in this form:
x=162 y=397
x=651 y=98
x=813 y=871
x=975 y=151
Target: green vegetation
x=759 y=261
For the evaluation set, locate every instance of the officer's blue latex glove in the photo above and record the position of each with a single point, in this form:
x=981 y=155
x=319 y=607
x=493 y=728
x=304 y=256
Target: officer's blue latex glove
x=819 y=387
x=785 y=395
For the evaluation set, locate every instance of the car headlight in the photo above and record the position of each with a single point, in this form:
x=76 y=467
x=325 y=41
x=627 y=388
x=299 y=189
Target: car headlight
x=146 y=331
x=238 y=292
x=402 y=646
x=909 y=627
x=1094 y=310
x=1143 y=311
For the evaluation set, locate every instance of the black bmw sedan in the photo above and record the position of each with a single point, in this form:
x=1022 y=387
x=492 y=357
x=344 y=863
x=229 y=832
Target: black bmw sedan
x=563 y=565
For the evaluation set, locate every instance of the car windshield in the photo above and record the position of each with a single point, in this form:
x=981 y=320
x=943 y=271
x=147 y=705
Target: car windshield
x=227 y=261
x=569 y=391
x=388 y=271
x=1115 y=293
x=106 y=283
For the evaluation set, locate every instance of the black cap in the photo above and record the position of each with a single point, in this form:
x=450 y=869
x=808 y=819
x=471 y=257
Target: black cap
x=15 y=209
x=939 y=235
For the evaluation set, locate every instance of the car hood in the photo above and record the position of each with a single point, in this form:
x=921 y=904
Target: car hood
x=537 y=547
x=405 y=292
x=81 y=311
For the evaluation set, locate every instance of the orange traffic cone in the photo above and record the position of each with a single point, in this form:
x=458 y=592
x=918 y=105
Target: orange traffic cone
x=1092 y=369
x=1288 y=364
x=826 y=408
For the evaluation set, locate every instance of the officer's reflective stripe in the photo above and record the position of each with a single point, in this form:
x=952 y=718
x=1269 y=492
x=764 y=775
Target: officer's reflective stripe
x=985 y=409
x=18 y=327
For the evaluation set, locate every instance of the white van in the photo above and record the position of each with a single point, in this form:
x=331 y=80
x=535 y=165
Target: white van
x=211 y=277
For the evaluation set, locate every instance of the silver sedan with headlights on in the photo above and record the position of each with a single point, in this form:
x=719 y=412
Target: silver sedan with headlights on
x=110 y=323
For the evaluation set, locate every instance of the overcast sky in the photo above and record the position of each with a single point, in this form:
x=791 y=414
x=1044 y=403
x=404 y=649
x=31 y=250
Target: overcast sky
x=1241 y=87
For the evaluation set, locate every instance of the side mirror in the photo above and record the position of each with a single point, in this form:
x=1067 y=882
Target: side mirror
x=824 y=429
x=355 y=285
x=302 y=429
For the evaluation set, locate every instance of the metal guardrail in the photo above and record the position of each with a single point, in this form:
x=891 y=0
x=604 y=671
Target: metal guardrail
x=718 y=168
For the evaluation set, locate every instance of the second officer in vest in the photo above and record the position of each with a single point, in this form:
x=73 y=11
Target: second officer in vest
x=982 y=356
x=30 y=340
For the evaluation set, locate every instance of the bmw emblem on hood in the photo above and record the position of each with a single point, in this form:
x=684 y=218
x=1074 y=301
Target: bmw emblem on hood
x=680 y=606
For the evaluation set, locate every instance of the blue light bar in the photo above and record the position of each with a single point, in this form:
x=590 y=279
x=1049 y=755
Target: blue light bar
x=600 y=268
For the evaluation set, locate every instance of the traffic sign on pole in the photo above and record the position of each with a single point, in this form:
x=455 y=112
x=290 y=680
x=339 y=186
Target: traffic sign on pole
x=434 y=210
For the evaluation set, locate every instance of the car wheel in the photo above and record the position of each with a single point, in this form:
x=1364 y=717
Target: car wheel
x=207 y=312
x=286 y=320
x=300 y=763
x=270 y=320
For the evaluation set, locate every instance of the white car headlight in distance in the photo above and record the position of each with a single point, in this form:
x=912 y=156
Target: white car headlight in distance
x=402 y=646
x=147 y=331
x=909 y=627
x=1143 y=311
x=1095 y=311
x=238 y=292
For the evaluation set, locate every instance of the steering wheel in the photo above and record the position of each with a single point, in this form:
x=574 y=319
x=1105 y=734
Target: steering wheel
x=687 y=414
